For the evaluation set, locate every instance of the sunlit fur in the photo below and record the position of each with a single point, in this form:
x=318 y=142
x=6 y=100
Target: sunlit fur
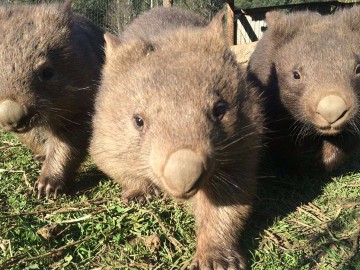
x=172 y=78
x=35 y=37
x=325 y=51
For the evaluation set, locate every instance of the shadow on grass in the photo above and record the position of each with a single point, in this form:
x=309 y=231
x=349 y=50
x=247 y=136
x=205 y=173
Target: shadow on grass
x=280 y=193
x=89 y=178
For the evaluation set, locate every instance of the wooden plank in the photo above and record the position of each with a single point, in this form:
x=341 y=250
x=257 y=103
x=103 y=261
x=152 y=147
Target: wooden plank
x=243 y=53
x=167 y=3
x=296 y=6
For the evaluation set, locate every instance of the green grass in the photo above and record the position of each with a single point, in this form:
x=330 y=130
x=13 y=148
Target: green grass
x=303 y=223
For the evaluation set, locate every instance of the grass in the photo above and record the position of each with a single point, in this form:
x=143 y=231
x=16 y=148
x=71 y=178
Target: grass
x=298 y=223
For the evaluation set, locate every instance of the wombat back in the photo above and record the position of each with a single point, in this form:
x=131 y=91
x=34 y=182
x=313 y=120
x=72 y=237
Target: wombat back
x=158 y=21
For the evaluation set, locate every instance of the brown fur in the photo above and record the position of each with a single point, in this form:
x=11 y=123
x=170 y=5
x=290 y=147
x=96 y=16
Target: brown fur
x=155 y=24
x=174 y=81
x=325 y=51
x=57 y=126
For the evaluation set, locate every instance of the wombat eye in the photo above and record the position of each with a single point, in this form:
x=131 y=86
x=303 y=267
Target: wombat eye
x=139 y=122
x=357 y=69
x=220 y=109
x=296 y=75
x=47 y=74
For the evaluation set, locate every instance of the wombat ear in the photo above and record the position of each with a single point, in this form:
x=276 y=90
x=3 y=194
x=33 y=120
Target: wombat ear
x=217 y=26
x=278 y=23
x=273 y=17
x=60 y=14
x=126 y=53
x=68 y=5
x=281 y=25
x=111 y=43
x=218 y=21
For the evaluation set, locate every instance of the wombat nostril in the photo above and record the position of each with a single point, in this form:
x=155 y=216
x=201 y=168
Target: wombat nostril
x=182 y=171
x=11 y=113
x=331 y=108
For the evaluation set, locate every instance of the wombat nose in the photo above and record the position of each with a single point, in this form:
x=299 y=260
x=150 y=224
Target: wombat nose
x=331 y=108
x=182 y=171
x=11 y=113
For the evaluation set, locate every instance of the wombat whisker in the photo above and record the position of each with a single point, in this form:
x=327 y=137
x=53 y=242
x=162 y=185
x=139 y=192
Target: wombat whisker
x=63 y=127
x=44 y=104
x=250 y=84
x=244 y=129
x=44 y=118
x=226 y=178
x=88 y=88
x=67 y=119
x=296 y=129
x=224 y=144
x=55 y=109
x=298 y=136
x=233 y=160
x=269 y=121
x=236 y=154
x=236 y=140
x=355 y=126
x=304 y=131
x=302 y=126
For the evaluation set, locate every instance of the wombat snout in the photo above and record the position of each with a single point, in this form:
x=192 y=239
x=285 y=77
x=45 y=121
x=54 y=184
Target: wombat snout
x=332 y=108
x=11 y=114
x=182 y=173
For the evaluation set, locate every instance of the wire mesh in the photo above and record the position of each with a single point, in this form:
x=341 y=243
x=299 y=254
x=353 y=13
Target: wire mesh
x=114 y=15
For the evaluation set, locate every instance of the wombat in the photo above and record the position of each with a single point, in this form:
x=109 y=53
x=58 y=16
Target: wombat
x=308 y=68
x=174 y=112
x=50 y=62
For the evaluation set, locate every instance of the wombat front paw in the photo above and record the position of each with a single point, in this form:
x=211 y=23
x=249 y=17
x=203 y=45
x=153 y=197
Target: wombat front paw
x=47 y=186
x=233 y=262
x=139 y=195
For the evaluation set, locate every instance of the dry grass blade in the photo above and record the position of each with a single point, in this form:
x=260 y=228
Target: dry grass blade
x=22 y=258
x=172 y=239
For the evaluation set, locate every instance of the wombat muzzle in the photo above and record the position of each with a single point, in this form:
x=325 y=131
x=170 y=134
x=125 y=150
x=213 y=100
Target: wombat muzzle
x=182 y=173
x=331 y=108
x=12 y=116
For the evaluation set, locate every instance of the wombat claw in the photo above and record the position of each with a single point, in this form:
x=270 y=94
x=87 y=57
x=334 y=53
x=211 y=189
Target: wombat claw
x=139 y=196
x=45 y=188
x=211 y=264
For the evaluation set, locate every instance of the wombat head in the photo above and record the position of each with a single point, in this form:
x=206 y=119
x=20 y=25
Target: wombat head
x=314 y=63
x=172 y=112
x=43 y=65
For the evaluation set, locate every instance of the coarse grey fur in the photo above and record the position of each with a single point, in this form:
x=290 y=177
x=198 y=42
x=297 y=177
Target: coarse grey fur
x=50 y=62
x=152 y=25
x=175 y=112
x=308 y=68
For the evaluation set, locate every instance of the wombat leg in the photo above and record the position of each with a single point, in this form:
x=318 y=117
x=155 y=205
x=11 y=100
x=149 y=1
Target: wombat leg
x=140 y=191
x=219 y=227
x=332 y=156
x=59 y=168
x=208 y=265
